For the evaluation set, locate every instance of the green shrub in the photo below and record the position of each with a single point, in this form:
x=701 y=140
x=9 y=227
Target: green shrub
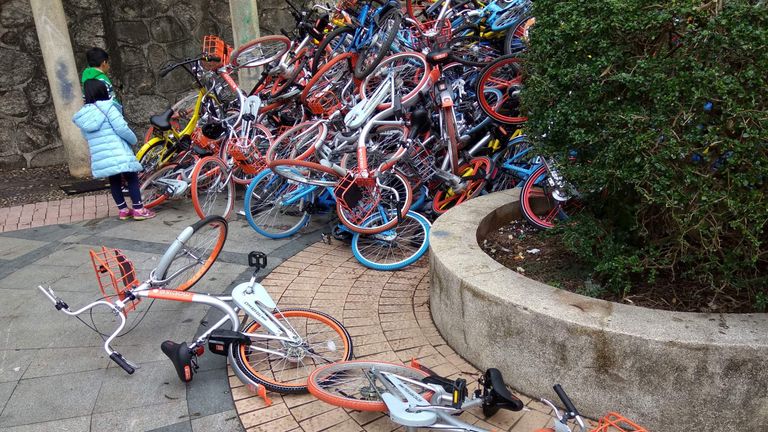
x=666 y=104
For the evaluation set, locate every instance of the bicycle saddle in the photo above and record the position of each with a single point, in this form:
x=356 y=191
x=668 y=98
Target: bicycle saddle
x=181 y=357
x=497 y=395
x=162 y=121
x=420 y=123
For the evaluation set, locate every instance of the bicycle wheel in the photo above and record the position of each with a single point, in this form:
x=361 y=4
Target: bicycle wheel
x=379 y=44
x=474 y=172
x=357 y=203
x=411 y=75
x=213 y=191
x=472 y=51
x=537 y=203
x=153 y=190
x=284 y=366
x=197 y=253
x=267 y=206
x=350 y=384
x=151 y=155
x=502 y=77
x=395 y=248
x=298 y=142
x=516 y=39
x=335 y=43
x=510 y=17
x=259 y=51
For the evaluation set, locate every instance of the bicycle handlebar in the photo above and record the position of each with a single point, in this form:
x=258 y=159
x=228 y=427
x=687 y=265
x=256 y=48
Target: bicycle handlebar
x=572 y=412
x=114 y=355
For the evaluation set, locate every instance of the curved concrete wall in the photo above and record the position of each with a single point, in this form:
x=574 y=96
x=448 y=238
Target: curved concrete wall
x=670 y=371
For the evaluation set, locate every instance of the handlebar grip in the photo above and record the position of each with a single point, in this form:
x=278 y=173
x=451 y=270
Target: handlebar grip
x=285 y=33
x=212 y=58
x=164 y=72
x=117 y=358
x=572 y=411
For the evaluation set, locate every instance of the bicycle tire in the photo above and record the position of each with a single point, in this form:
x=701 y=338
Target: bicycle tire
x=393 y=19
x=393 y=249
x=202 y=247
x=509 y=17
x=243 y=172
x=151 y=154
x=338 y=384
x=337 y=47
x=153 y=194
x=412 y=77
x=495 y=77
x=265 y=211
x=210 y=178
x=530 y=193
x=298 y=142
x=259 y=51
x=515 y=41
x=472 y=51
x=350 y=217
x=316 y=354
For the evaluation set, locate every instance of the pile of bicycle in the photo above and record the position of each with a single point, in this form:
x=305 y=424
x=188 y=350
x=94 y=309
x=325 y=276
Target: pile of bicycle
x=383 y=114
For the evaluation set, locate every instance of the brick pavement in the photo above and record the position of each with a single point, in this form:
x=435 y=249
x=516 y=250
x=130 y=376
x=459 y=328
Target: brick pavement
x=63 y=211
x=387 y=314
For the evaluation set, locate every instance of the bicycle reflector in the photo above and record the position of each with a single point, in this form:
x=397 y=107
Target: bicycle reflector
x=116 y=275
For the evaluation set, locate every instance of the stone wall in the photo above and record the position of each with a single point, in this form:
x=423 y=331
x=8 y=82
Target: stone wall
x=140 y=36
x=29 y=134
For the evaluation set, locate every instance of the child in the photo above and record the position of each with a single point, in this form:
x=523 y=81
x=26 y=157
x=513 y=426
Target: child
x=98 y=62
x=109 y=140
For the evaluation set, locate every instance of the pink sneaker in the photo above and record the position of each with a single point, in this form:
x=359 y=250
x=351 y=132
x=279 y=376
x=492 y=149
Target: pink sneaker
x=143 y=213
x=125 y=213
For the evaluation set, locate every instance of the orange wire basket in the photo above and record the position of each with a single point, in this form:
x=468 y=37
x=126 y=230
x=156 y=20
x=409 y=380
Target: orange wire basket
x=246 y=155
x=116 y=275
x=438 y=40
x=215 y=46
x=614 y=422
x=358 y=200
x=204 y=142
x=324 y=102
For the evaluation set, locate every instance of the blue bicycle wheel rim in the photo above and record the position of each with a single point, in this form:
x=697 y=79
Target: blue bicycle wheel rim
x=399 y=264
x=249 y=217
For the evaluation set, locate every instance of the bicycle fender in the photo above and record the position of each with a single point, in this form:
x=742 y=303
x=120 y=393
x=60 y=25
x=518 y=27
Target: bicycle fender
x=146 y=146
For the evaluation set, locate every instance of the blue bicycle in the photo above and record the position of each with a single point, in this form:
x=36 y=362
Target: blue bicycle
x=369 y=34
x=276 y=208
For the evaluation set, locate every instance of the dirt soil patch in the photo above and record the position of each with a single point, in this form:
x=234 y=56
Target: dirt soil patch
x=31 y=185
x=542 y=256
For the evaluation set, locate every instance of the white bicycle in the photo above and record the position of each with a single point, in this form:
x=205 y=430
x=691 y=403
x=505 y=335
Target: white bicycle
x=276 y=350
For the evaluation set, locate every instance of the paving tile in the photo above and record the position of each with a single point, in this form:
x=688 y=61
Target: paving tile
x=31 y=394
x=325 y=420
x=227 y=421
x=285 y=423
x=142 y=418
x=74 y=424
x=265 y=415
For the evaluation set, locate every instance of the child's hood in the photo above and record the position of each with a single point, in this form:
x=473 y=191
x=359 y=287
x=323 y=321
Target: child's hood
x=92 y=116
x=93 y=73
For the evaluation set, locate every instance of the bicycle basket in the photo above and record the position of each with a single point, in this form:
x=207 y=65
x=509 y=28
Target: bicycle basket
x=215 y=46
x=324 y=102
x=418 y=163
x=115 y=274
x=346 y=4
x=431 y=35
x=203 y=139
x=356 y=201
x=614 y=422
x=246 y=155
